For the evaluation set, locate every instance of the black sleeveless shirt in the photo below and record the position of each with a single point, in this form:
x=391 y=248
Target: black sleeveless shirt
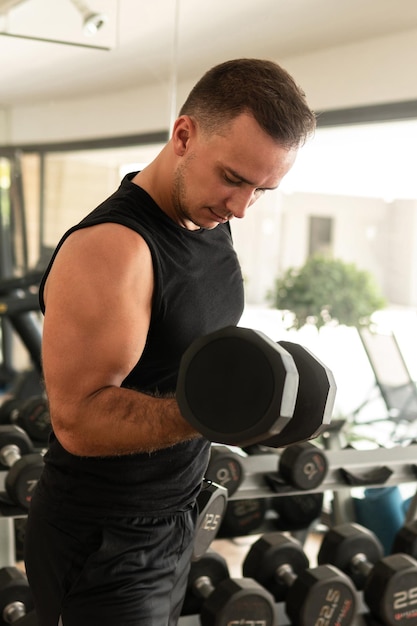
x=198 y=289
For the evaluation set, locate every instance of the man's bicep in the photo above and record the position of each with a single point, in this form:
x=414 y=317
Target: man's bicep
x=98 y=306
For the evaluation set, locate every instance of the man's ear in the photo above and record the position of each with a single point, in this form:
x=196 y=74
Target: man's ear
x=183 y=130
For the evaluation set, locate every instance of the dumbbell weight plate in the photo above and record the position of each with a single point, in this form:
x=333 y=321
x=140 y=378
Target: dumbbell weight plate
x=22 y=478
x=315 y=398
x=212 y=503
x=297 y=512
x=214 y=566
x=239 y=601
x=13 y=588
x=267 y=554
x=225 y=468
x=342 y=542
x=242 y=517
x=19 y=524
x=236 y=386
x=6 y=408
x=322 y=595
x=390 y=590
x=33 y=416
x=15 y=436
x=303 y=465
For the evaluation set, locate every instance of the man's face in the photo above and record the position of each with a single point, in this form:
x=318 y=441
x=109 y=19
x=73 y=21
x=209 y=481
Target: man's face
x=220 y=175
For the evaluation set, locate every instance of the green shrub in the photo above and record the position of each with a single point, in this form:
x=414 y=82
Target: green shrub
x=327 y=291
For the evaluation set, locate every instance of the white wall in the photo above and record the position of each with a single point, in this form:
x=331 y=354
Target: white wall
x=377 y=236
x=370 y=72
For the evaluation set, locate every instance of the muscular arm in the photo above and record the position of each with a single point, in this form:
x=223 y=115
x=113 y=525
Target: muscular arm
x=98 y=299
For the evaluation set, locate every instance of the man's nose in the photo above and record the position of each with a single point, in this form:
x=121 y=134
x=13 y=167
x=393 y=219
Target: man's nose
x=239 y=201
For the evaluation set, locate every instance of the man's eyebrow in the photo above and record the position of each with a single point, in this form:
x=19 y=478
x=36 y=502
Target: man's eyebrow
x=245 y=180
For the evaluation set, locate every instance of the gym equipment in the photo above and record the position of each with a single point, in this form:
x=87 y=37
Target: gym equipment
x=225 y=468
x=211 y=503
x=236 y=386
x=319 y=595
x=393 y=379
x=17 y=453
x=31 y=414
x=314 y=402
x=389 y=583
x=222 y=600
x=30 y=279
x=297 y=512
x=16 y=602
x=405 y=540
x=302 y=465
x=19 y=527
x=243 y=517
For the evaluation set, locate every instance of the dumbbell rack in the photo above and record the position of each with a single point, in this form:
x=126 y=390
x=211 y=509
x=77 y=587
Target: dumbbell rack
x=347 y=468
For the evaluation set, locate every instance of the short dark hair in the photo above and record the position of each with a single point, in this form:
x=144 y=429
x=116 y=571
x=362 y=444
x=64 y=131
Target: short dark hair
x=259 y=87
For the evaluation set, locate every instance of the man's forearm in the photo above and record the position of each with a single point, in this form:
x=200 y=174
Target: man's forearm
x=115 y=421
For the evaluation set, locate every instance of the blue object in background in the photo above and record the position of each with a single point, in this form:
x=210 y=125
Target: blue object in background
x=382 y=511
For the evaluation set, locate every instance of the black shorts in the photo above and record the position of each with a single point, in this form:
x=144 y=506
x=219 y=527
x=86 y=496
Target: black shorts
x=112 y=571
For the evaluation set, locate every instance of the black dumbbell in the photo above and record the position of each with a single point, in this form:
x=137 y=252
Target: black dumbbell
x=211 y=504
x=243 y=517
x=302 y=465
x=405 y=540
x=389 y=583
x=225 y=468
x=31 y=414
x=24 y=465
x=221 y=600
x=297 y=512
x=262 y=392
x=16 y=604
x=319 y=595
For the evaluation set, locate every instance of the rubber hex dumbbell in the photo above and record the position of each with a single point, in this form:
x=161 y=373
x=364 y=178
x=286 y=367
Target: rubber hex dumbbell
x=315 y=398
x=211 y=504
x=24 y=465
x=236 y=386
x=405 y=540
x=31 y=414
x=221 y=600
x=243 y=517
x=301 y=465
x=16 y=604
x=225 y=468
x=297 y=512
x=319 y=595
x=389 y=583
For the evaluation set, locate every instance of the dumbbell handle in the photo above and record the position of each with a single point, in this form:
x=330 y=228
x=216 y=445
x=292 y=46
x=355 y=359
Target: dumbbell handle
x=203 y=586
x=10 y=454
x=285 y=573
x=13 y=612
x=360 y=564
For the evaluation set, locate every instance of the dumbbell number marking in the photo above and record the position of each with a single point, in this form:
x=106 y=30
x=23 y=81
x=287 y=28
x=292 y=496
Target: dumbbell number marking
x=405 y=599
x=225 y=475
x=327 y=610
x=211 y=521
x=31 y=485
x=312 y=468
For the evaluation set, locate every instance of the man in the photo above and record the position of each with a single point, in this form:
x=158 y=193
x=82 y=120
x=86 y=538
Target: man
x=110 y=529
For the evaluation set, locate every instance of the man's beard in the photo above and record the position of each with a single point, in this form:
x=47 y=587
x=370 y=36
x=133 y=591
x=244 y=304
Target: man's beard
x=179 y=195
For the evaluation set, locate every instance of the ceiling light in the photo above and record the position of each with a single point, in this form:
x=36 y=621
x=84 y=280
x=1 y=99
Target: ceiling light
x=93 y=22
